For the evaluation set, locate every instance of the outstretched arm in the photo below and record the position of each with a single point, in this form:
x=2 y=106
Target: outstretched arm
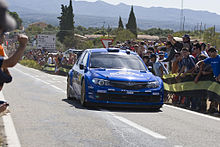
x=13 y=60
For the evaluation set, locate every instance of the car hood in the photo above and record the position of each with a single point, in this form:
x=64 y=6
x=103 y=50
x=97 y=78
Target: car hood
x=124 y=75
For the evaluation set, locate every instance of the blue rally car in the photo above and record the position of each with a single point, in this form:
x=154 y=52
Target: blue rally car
x=114 y=77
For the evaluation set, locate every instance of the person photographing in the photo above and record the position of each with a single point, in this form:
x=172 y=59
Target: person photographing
x=7 y=24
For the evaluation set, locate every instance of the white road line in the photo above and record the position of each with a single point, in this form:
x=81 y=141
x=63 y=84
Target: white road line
x=10 y=132
x=31 y=76
x=57 y=88
x=192 y=112
x=138 y=127
x=40 y=80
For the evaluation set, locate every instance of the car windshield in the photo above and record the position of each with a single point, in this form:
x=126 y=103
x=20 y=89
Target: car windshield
x=116 y=61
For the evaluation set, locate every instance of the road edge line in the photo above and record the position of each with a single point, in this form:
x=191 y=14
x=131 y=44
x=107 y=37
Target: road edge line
x=192 y=112
x=10 y=131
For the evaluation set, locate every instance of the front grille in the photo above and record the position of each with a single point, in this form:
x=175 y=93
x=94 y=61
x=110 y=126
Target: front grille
x=128 y=85
x=129 y=98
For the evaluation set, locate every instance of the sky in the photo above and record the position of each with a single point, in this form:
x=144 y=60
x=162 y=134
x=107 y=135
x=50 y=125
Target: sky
x=207 y=5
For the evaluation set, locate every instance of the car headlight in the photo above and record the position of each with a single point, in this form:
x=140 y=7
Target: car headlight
x=101 y=82
x=154 y=84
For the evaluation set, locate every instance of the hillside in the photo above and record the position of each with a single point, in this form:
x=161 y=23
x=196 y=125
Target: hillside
x=95 y=13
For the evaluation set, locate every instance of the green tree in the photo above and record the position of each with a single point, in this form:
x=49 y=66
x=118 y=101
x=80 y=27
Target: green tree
x=158 y=32
x=124 y=35
x=85 y=44
x=17 y=19
x=69 y=41
x=66 y=23
x=210 y=36
x=33 y=30
x=132 y=25
x=109 y=29
x=81 y=30
x=120 y=24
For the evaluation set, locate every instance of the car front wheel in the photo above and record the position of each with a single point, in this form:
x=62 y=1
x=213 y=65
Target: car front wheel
x=69 y=97
x=83 y=94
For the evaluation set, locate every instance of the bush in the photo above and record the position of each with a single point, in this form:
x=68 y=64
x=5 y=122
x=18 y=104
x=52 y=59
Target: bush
x=31 y=64
x=124 y=35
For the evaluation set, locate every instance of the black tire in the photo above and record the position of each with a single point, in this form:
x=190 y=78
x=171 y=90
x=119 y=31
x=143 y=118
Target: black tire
x=69 y=97
x=83 y=94
x=155 y=109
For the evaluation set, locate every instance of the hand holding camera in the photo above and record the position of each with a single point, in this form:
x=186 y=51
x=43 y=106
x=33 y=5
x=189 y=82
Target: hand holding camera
x=22 y=39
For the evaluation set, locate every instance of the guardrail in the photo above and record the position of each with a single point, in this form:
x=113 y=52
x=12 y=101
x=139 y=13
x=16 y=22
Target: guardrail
x=207 y=86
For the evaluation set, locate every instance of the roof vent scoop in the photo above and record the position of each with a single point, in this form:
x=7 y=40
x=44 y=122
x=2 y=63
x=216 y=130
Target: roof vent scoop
x=113 y=50
x=128 y=51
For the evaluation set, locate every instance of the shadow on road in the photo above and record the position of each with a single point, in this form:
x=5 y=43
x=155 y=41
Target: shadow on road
x=110 y=108
x=77 y=105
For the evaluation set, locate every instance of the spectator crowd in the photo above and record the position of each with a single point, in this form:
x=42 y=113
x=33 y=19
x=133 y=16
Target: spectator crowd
x=43 y=57
x=181 y=58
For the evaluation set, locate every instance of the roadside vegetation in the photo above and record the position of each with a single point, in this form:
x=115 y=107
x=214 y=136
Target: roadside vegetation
x=31 y=64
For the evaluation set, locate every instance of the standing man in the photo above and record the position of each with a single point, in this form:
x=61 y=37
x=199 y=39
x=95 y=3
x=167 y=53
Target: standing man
x=214 y=60
x=158 y=67
x=178 y=45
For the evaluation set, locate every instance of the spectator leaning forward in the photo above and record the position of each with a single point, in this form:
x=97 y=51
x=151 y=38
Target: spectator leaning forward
x=187 y=63
x=7 y=23
x=214 y=60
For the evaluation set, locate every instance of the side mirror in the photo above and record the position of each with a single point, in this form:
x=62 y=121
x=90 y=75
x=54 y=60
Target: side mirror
x=81 y=66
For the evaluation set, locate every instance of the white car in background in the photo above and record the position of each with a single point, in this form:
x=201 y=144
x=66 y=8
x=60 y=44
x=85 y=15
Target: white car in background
x=73 y=51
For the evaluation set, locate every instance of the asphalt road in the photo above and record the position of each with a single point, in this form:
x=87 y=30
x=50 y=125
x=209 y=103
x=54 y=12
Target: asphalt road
x=44 y=117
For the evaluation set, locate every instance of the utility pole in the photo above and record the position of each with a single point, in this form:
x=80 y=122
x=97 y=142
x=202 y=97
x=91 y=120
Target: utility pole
x=103 y=29
x=109 y=30
x=181 y=16
x=214 y=36
x=201 y=30
x=183 y=23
